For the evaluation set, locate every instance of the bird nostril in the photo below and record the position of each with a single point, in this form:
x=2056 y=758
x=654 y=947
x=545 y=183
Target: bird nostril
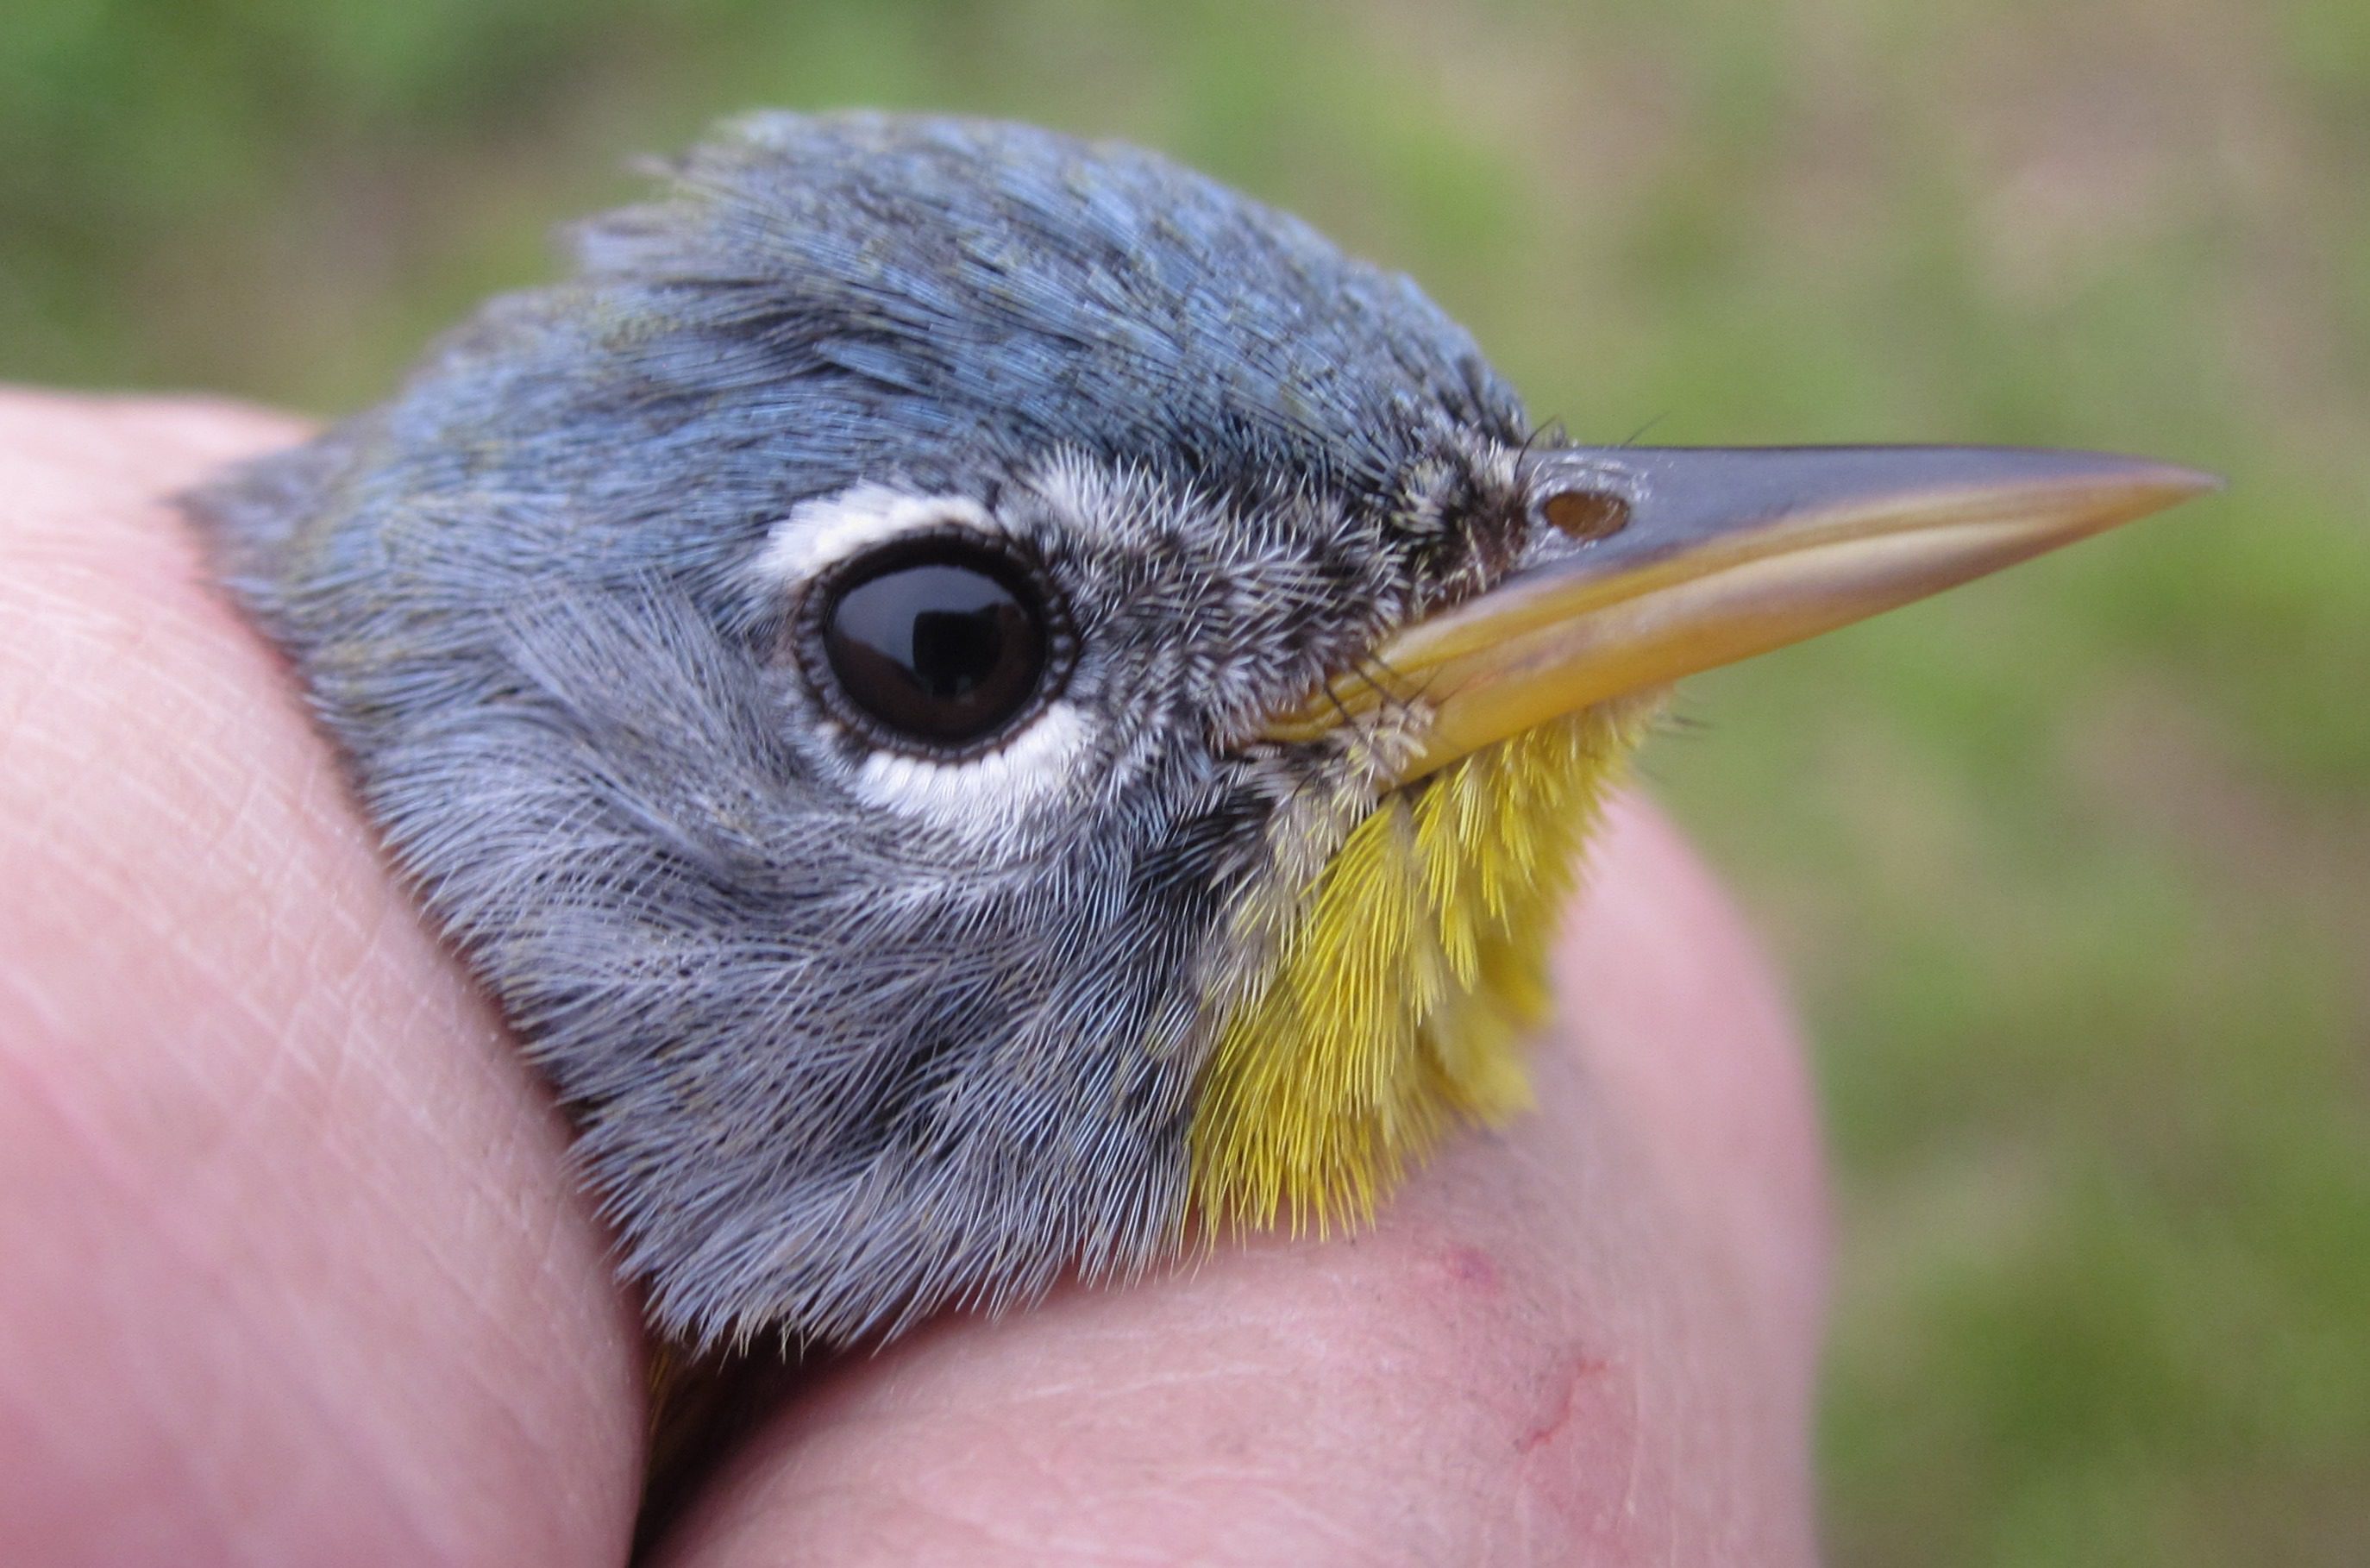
x=1585 y=514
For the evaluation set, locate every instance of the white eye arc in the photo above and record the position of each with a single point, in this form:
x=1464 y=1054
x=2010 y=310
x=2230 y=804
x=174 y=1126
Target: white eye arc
x=821 y=532
x=983 y=795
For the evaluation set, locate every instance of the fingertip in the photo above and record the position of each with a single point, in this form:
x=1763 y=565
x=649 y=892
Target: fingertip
x=1671 y=1000
x=289 y=1222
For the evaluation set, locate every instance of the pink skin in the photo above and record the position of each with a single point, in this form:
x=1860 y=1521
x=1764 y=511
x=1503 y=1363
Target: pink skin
x=292 y=1272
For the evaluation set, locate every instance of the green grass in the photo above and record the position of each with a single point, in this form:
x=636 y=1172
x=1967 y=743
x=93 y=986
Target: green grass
x=2071 y=868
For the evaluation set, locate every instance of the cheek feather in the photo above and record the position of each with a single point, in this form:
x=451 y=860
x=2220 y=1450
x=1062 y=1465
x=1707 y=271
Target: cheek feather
x=1392 y=1007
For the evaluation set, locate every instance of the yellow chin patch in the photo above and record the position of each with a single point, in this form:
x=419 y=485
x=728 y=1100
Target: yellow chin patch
x=1393 y=1007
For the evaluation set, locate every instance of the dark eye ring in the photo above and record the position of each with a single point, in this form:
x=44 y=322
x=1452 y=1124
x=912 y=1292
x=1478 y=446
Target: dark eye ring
x=939 y=642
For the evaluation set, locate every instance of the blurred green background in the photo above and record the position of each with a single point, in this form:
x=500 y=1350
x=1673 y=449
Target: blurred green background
x=2071 y=868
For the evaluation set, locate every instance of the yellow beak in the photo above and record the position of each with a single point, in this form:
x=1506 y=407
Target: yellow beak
x=1646 y=564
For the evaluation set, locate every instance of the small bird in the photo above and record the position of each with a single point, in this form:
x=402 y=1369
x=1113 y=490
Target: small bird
x=987 y=707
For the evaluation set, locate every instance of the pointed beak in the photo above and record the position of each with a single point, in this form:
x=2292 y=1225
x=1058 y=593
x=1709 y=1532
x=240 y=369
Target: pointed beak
x=1646 y=564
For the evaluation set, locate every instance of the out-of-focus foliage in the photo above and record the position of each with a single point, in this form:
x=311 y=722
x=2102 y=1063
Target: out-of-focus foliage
x=2073 y=867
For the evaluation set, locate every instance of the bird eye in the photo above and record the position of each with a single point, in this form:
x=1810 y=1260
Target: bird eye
x=940 y=643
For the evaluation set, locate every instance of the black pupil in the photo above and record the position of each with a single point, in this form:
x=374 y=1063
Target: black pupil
x=945 y=649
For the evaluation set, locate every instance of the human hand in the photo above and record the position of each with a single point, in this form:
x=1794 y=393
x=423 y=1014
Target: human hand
x=295 y=1271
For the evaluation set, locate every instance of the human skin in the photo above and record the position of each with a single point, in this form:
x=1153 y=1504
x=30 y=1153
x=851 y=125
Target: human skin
x=292 y=1269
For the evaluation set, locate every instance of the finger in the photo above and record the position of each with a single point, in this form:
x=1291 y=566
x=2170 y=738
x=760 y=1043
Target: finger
x=295 y=1273
x=1686 y=1031
x=1588 y=1338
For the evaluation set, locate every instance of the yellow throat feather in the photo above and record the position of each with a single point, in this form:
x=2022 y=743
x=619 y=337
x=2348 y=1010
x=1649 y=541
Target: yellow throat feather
x=1395 y=1006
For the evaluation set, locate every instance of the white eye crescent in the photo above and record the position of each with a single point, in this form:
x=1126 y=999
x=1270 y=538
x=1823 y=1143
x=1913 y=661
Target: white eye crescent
x=830 y=528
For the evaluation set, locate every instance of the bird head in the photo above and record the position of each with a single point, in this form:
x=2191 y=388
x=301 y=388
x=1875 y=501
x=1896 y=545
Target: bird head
x=986 y=706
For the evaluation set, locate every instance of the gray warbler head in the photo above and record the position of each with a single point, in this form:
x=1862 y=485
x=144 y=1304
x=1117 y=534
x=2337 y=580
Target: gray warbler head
x=986 y=706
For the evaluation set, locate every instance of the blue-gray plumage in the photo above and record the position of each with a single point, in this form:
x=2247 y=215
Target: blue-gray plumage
x=841 y=1054
x=974 y=696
